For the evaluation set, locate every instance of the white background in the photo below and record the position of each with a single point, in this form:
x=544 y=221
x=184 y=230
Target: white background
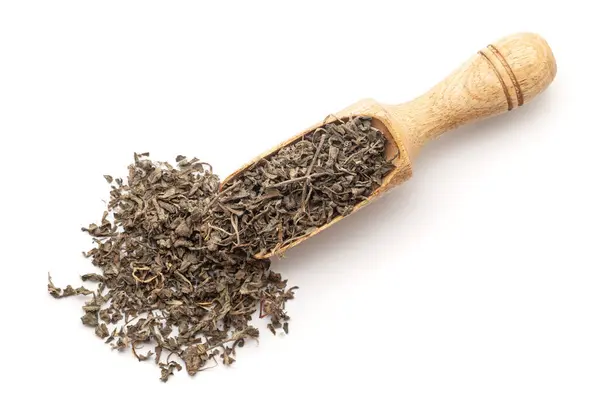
x=477 y=279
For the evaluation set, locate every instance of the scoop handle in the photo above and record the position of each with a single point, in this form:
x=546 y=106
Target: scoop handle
x=499 y=78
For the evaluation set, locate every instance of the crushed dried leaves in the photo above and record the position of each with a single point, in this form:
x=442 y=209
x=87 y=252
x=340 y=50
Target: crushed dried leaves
x=178 y=278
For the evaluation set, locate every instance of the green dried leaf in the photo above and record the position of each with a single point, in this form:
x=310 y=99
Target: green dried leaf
x=194 y=358
x=58 y=293
x=92 y=277
x=90 y=319
x=167 y=370
x=102 y=331
x=227 y=359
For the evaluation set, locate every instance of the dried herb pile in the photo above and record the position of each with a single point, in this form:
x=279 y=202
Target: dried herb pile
x=177 y=280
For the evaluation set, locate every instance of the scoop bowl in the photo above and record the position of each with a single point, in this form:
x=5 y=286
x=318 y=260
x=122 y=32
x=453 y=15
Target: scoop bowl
x=497 y=79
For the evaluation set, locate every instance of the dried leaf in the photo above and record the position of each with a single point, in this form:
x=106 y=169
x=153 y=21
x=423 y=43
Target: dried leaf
x=102 y=331
x=92 y=277
x=227 y=359
x=90 y=319
x=167 y=370
x=58 y=293
x=194 y=358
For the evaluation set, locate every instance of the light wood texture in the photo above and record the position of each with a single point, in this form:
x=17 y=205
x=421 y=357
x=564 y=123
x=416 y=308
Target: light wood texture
x=497 y=79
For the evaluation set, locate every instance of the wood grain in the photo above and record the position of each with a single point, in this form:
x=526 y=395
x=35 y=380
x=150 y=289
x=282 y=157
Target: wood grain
x=499 y=78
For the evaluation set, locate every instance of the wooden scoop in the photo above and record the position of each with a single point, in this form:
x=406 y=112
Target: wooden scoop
x=499 y=78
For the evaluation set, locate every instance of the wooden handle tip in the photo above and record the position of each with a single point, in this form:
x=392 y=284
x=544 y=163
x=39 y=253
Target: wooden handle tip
x=524 y=63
